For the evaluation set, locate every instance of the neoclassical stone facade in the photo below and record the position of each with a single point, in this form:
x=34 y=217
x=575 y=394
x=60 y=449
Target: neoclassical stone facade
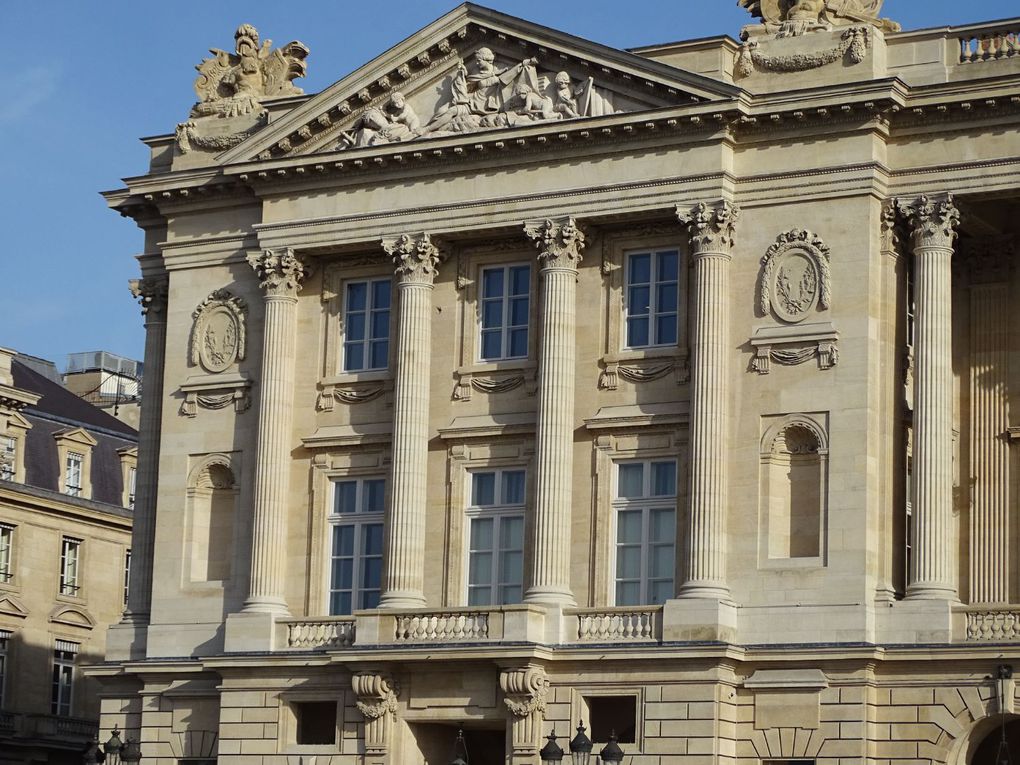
x=514 y=380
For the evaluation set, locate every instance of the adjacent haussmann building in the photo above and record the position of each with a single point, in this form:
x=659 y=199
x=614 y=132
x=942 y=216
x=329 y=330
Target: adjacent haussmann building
x=514 y=381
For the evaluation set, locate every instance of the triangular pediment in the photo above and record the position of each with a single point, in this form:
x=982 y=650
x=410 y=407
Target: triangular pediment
x=475 y=71
x=11 y=606
x=77 y=435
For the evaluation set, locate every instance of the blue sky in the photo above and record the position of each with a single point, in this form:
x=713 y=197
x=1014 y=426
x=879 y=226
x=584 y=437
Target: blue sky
x=85 y=80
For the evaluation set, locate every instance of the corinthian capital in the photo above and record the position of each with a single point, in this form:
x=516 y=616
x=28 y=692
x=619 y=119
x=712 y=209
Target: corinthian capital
x=711 y=228
x=280 y=272
x=560 y=242
x=932 y=221
x=525 y=690
x=151 y=293
x=416 y=258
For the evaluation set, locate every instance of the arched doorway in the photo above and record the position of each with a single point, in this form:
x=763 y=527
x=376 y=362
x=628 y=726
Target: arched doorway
x=986 y=750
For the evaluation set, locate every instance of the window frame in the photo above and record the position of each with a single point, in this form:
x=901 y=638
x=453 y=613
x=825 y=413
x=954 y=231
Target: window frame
x=66 y=588
x=498 y=513
x=9 y=465
x=127 y=575
x=7 y=531
x=73 y=460
x=646 y=503
x=5 y=653
x=359 y=521
x=369 y=311
x=505 y=298
x=63 y=666
x=653 y=288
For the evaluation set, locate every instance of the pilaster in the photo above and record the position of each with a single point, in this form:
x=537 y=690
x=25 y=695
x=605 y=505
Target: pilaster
x=933 y=223
x=377 y=702
x=127 y=640
x=416 y=259
x=560 y=244
x=525 y=690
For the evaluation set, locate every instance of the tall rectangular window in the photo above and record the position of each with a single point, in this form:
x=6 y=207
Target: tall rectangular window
x=357 y=538
x=5 y=643
x=132 y=480
x=645 y=532
x=70 y=550
x=127 y=575
x=6 y=553
x=72 y=474
x=64 y=653
x=653 y=297
x=496 y=538
x=8 y=457
x=505 y=307
x=366 y=325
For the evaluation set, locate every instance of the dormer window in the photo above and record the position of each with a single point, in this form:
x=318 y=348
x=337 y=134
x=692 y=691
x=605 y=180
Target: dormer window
x=74 y=455
x=72 y=473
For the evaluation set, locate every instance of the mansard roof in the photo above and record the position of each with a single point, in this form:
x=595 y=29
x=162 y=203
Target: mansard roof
x=422 y=68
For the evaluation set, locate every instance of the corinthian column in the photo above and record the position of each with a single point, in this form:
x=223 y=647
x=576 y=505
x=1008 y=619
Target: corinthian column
x=416 y=260
x=152 y=295
x=933 y=226
x=711 y=237
x=560 y=244
x=281 y=273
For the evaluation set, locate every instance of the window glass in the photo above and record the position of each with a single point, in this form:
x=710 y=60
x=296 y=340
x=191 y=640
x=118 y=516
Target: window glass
x=645 y=532
x=63 y=678
x=366 y=325
x=355 y=581
x=6 y=553
x=504 y=309
x=8 y=457
x=652 y=299
x=496 y=538
x=72 y=474
x=5 y=641
x=69 y=554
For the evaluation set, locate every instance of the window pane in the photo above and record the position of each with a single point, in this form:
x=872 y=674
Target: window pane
x=492 y=344
x=371 y=574
x=518 y=343
x=484 y=489
x=492 y=282
x=663 y=526
x=628 y=563
x=492 y=314
x=356 y=293
x=632 y=478
x=640 y=269
x=666 y=298
x=519 y=312
x=659 y=592
x=370 y=598
x=661 y=563
x=346 y=493
x=479 y=596
x=637 y=333
x=513 y=487
x=343 y=541
x=340 y=604
x=665 y=330
x=511 y=594
x=354 y=357
x=374 y=496
x=480 y=569
x=481 y=534
x=343 y=574
x=663 y=479
x=628 y=594
x=668 y=266
x=355 y=328
x=520 y=278
x=629 y=527
x=380 y=354
x=638 y=301
x=381 y=294
x=380 y=324
x=372 y=542
x=512 y=569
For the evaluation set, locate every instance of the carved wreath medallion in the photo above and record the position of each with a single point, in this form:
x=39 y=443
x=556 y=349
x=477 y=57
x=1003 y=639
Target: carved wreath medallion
x=218 y=335
x=795 y=277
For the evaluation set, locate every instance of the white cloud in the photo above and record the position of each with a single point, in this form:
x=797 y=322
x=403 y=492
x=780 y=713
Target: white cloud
x=27 y=89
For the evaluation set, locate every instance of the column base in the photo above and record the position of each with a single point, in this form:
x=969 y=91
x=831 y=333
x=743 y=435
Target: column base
x=127 y=641
x=549 y=596
x=249 y=632
x=700 y=620
x=399 y=599
x=931 y=591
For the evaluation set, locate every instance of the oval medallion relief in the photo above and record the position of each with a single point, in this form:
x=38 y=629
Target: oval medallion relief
x=218 y=348
x=795 y=285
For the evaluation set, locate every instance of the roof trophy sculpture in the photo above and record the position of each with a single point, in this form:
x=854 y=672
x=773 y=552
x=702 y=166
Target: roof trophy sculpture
x=792 y=18
x=232 y=87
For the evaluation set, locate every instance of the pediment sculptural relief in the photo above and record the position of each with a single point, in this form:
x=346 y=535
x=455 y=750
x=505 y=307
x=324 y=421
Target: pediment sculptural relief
x=791 y=18
x=231 y=88
x=481 y=94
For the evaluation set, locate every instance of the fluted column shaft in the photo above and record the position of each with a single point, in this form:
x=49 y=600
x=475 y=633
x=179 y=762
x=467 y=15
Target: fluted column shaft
x=560 y=245
x=152 y=294
x=416 y=260
x=932 y=570
x=711 y=232
x=281 y=274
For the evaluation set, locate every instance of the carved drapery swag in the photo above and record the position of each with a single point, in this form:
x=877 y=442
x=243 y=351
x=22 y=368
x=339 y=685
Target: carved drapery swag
x=280 y=272
x=795 y=277
x=415 y=258
x=933 y=222
x=711 y=229
x=218 y=334
x=152 y=294
x=560 y=242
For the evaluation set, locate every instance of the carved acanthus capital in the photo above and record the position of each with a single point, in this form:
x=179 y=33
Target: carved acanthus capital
x=280 y=272
x=560 y=242
x=415 y=258
x=892 y=227
x=377 y=694
x=933 y=222
x=526 y=689
x=711 y=228
x=152 y=294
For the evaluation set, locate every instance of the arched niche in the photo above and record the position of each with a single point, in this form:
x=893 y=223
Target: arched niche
x=212 y=516
x=794 y=490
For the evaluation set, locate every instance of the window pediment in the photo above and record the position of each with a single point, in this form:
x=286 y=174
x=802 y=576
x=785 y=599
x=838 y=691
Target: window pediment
x=72 y=616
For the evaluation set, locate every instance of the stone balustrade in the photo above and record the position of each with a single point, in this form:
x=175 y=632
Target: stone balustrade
x=443 y=627
x=613 y=625
x=332 y=632
x=990 y=45
x=992 y=625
